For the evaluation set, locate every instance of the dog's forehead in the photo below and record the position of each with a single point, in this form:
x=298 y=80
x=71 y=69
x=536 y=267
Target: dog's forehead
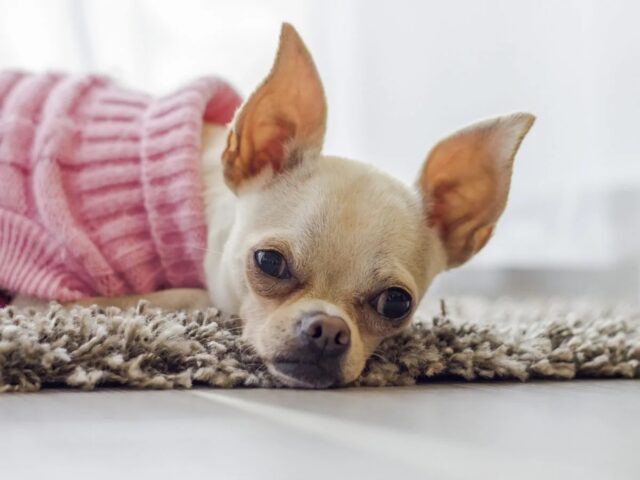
x=359 y=203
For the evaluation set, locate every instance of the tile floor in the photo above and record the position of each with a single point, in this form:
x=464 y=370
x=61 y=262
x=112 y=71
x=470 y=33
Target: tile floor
x=546 y=430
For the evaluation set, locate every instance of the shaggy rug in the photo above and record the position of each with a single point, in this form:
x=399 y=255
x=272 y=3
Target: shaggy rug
x=465 y=339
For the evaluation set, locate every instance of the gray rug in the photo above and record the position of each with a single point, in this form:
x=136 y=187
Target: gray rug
x=467 y=339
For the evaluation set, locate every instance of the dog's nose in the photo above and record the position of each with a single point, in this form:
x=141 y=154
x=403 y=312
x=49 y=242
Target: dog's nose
x=316 y=358
x=329 y=334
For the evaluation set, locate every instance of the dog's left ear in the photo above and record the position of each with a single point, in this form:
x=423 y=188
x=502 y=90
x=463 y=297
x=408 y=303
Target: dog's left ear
x=465 y=183
x=283 y=120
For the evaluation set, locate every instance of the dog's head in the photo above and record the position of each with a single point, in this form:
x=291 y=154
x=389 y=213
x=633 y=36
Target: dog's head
x=326 y=256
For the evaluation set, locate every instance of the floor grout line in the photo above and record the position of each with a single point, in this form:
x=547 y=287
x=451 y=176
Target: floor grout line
x=429 y=455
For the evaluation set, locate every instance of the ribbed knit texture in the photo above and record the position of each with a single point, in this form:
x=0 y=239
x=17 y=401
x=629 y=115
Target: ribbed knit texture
x=100 y=187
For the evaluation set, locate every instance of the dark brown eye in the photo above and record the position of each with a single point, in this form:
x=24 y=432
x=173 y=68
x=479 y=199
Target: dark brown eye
x=272 y=263
x=393 y=303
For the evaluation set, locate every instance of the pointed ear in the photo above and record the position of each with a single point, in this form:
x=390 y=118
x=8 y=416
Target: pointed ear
x=465 y=183
x=283 y=119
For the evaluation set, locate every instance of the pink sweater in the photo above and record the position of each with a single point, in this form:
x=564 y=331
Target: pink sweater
x=100 y=188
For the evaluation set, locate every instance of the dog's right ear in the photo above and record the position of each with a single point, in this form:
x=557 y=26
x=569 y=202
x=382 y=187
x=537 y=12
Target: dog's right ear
x=465 y=183
x=283 y=120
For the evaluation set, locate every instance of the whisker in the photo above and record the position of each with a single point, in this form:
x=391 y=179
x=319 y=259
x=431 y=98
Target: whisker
x=379 y=356
x=204 y=249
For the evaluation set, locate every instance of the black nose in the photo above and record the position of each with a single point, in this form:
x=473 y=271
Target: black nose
x=328 y=334
x=315 y=359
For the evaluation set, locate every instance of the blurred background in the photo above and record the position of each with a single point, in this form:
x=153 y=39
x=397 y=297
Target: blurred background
x=401 y=74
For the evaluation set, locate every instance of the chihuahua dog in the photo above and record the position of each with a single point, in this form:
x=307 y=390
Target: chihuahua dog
x=324 y=257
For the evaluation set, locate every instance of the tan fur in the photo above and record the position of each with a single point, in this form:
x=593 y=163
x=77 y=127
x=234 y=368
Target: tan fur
x=347 y=230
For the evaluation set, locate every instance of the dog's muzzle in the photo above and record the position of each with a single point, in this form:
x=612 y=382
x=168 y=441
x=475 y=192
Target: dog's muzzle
x=321 y=344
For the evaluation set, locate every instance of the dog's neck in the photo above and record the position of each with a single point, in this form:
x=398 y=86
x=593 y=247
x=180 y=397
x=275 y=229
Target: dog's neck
x=215 y=192
x=220 y=207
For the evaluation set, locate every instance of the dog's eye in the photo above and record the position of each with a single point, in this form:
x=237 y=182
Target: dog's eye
x=394 y=303
x=272 y=263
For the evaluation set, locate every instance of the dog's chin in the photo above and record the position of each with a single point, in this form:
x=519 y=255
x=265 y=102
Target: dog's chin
x=303 y=375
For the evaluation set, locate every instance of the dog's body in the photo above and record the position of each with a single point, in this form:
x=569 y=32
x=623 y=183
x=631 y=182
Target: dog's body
x=321 y=256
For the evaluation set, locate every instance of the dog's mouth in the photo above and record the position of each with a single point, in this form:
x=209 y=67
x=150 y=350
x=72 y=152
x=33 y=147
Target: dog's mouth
x=305 y=374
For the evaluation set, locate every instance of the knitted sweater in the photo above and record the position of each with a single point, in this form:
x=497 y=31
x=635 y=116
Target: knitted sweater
x=100 y=187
